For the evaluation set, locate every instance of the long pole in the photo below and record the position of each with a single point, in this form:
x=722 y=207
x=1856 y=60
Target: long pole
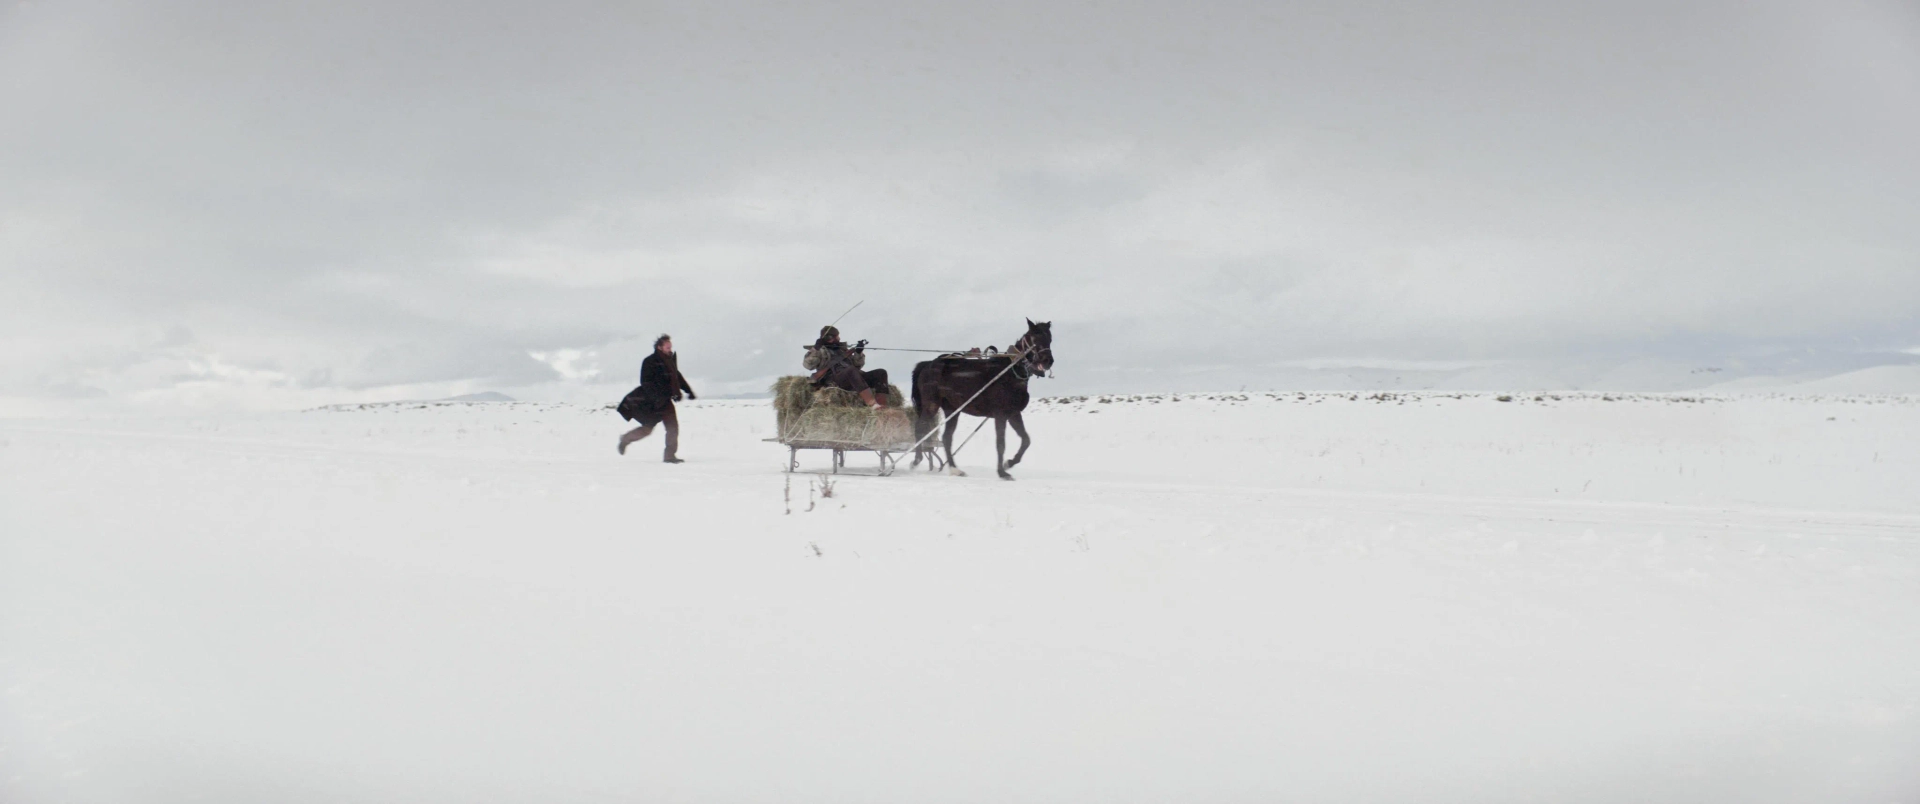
x=963 y=444
x=849 y=310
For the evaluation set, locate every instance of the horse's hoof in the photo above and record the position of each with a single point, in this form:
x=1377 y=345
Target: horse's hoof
x=955 y=471
x=1005 y=476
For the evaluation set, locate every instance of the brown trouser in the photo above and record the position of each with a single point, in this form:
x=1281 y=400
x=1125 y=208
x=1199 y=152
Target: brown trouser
x=672 y=421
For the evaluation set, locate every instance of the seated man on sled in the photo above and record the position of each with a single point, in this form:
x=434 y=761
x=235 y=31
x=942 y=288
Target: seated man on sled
x=835 y=364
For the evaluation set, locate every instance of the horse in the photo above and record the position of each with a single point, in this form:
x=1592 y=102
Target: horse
x=993 y=387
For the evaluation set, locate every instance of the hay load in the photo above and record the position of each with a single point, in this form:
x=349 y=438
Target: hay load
x=864 y=426
x=792 y=394
x=805 y=413
x=843 y=398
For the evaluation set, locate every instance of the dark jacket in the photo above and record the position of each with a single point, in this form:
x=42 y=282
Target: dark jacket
x=660 y=385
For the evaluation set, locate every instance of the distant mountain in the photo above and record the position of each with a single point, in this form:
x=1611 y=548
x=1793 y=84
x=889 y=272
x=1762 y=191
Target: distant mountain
x=1874 y=380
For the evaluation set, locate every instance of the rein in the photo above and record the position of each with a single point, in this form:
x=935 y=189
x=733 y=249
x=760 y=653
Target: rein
x=1021 y=348
x=928 y=351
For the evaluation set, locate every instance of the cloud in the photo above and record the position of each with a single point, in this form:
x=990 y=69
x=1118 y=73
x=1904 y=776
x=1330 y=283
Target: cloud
x=374 y=198
x=571 y=364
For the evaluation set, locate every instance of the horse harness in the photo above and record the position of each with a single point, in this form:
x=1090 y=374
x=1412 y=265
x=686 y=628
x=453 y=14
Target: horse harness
x=1025 y=367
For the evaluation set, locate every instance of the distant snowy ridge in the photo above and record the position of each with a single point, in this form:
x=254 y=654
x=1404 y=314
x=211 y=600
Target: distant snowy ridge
x=463 y=399
x=1883 y=380
x=1637 y=375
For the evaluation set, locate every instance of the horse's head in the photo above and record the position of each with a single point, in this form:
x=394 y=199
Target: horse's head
x=1038 y=346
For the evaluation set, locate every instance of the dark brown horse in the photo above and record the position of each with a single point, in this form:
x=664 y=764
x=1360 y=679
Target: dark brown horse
x=992 y=387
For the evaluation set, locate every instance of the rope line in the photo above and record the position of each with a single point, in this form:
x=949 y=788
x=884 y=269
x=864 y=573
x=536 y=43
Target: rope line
x=962 y=352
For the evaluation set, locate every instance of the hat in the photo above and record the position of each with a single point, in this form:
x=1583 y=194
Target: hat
x=829 y=331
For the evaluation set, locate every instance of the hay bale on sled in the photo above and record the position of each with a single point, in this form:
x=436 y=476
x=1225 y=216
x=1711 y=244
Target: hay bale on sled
x=796 y=394
x=831 y=397
x=804 y=413
x=857 y=425
x=843 y=398
x=791 y=397
x=792 y=394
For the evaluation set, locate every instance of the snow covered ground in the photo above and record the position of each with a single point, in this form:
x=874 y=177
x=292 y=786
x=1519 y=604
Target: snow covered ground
x=1295 y=597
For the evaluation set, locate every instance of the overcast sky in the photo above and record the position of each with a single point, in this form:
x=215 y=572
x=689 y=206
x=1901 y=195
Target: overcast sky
x=263 y=204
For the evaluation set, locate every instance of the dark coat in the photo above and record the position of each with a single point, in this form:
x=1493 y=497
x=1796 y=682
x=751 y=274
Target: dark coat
x=660 y=385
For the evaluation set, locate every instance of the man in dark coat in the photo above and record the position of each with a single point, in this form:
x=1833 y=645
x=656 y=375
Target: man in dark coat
x=652 y=403
x=834 y=364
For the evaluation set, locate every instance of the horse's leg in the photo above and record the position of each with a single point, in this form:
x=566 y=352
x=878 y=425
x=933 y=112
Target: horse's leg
x=1020 y=429
x=1000 y=447
x=952 y=468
